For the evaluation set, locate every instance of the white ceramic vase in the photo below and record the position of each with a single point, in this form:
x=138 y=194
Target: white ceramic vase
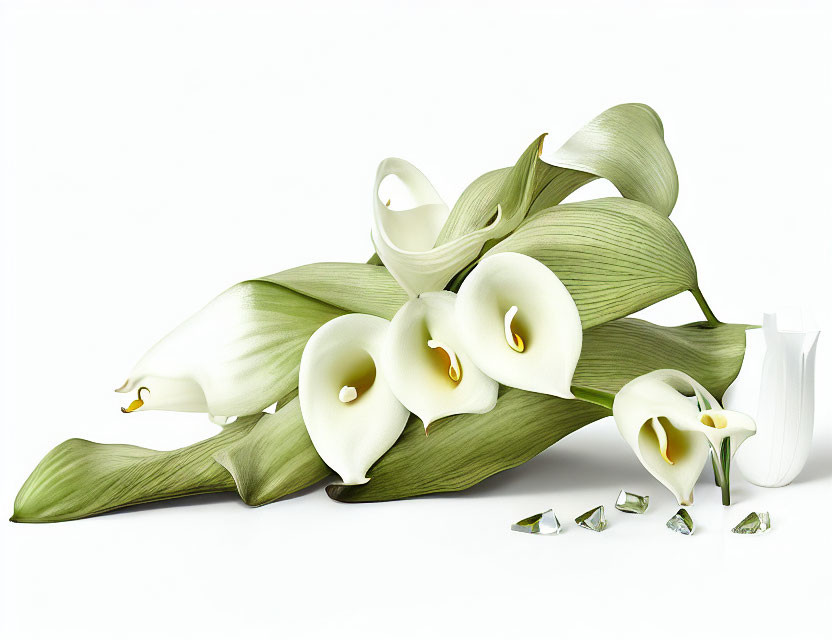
x=777 y=386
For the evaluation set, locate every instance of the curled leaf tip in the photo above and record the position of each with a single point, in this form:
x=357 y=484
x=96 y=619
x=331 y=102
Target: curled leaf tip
x=123 y=387
x=137 y=403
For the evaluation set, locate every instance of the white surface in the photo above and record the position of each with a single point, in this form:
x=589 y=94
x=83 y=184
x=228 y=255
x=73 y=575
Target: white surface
x=154 y=153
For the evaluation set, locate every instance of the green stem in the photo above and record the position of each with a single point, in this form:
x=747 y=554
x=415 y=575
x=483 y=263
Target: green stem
x=706 y=309
x=725 y=460
x=722 y=469
x=716 y=468
x=601 y=398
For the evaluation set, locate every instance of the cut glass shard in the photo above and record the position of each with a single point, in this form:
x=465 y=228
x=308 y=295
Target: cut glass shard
x=754 y=522
x=593 y=519
x=631 y=503
x=545 y=523
x=681 y=523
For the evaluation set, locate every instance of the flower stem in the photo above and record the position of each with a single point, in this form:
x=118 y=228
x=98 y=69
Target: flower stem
x=725 y=465
x=601 y=398
x=706 y=309
x=722 y=469
x=717 y=472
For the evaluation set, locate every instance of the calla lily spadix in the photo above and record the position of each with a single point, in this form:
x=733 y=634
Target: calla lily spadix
x=519 y=324
x=348 y=407
x=405 y=239
x=673 y=424
x=426 y=366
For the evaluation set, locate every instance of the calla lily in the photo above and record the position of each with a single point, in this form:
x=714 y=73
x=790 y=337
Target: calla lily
x=348 y=407
x=673 y=424
x=405 y=239
x=519 y=324
x=232 y=358
x=427 y=368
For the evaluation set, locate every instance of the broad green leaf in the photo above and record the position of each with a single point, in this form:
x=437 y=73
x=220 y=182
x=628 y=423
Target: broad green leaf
x=353 y=287
x=624 y=145
x=614 y=255
x=463 y=450
x=79 y=478
x=275 y=459
x=622 y=350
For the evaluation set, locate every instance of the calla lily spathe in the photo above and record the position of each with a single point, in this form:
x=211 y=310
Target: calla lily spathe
x=673 y=424
x=405 y=239
x=232 y=358
x=427 y=368
x=348 y=407
x=519 y=325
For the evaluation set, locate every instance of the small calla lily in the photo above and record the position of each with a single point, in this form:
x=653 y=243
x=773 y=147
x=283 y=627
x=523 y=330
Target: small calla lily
x=405 y=239
x=349 y=410
x=427 y=368
x=673 y=424
x=519 y=324
x=721 y=424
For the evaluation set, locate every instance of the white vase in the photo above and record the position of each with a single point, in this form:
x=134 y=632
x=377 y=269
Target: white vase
x=777 y=386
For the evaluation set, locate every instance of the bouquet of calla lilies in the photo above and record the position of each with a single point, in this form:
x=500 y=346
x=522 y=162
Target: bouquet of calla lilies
x=475 y=338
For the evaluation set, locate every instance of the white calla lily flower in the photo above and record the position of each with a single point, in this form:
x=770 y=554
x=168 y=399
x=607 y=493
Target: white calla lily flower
x=349 y=410
x=519 y=324
x=232 y=358
x=405 y=239
x=720 y=424
x=673 y=424
x=426 y=366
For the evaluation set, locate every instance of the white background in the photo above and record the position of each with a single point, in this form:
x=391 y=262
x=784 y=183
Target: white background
x=154 y=153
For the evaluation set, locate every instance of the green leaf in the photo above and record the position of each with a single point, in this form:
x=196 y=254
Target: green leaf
x=616 y=352
x=615 y=256
x=336 y=283
x=624 y=145
x=463 y=450
x=275 y=459
x=79 y=478
x=513 y=188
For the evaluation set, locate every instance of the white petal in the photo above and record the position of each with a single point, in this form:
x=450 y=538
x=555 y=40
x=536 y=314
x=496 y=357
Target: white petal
x=405 y=239
x=547 y=320
x=738 y=426
x=234 y=357
x=349 y=436
x=422 y=350
x=654 y=409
